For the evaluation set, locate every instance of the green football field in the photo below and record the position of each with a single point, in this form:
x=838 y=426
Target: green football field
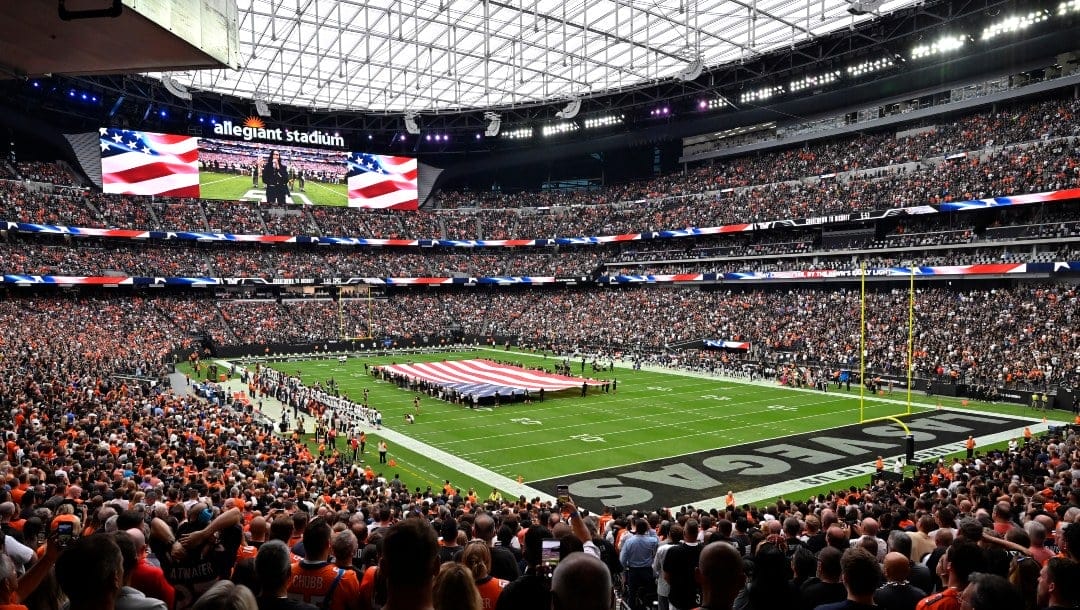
x=661 y=430
x=214 y=185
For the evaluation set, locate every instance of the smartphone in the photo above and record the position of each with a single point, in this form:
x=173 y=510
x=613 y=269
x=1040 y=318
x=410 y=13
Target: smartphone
x=549 y=553
x=65 y=534
x=562 y=493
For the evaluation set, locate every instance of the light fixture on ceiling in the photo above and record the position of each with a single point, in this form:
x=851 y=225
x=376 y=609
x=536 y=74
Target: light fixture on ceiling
x=172 y=86
x=494 y=123
x=862 y=7
x=261 y=108
x=410 y=123
x=692 y=71
x=570 y=111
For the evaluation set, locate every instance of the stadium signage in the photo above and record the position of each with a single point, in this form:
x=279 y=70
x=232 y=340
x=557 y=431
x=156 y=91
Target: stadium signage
x=850 y=450
x=254 y=130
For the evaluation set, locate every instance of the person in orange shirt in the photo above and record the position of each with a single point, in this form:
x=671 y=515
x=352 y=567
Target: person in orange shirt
x=969 y=444
x=477 y=557
x=316 y=580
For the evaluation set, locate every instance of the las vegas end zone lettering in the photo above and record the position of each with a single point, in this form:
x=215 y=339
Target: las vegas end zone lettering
x=690 y=479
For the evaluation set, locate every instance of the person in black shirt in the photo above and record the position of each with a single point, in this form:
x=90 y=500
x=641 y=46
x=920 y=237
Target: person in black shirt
x=897 y=593
x=678 y=569
x=202 y=551
x=532 y=591
x=825 y=588
x=276 y=179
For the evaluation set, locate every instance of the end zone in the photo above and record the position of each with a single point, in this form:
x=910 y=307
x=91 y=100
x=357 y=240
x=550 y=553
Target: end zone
x=799 y=461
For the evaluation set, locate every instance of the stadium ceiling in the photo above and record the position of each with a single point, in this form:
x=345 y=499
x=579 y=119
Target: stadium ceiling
x=447 y=56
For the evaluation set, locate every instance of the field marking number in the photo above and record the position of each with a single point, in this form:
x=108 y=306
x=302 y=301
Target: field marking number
x=526 y=421
x=781 y=408
x=658 y=388
x=588 y=438
x=715 y=397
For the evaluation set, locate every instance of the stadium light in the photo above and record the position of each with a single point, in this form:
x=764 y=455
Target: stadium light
x=555 y=129
x=604 y=121
x=760 y=95
x=714 y=103
x=1014 y=23
x=518 y=134
x=945 y=44
x=494 y=122
x=661 y=111
x=870 y=66
x=1072 y=6
x=814 y=80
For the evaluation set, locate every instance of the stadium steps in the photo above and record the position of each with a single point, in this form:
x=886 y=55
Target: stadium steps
x=153 y=214
x=225 y=324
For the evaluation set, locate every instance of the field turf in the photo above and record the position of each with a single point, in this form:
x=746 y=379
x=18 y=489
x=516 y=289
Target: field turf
x=214 y=185
x=653 y=416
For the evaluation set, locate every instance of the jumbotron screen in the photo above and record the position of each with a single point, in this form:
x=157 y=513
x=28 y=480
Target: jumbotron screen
x=167 y=165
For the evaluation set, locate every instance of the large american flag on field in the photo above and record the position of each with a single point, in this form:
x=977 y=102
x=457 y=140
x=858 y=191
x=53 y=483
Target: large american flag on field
x=145 y=163
x=484 y=377
x=382 y=181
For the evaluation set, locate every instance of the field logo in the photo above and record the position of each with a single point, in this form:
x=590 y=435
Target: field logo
x=253 y=128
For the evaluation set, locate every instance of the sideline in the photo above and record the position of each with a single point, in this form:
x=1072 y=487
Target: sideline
x=503 y=483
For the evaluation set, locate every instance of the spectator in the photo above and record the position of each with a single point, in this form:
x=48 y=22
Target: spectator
x=532 y=591
x=825 y=588
x=226 y=595
x=721 y=576
x=581 y=582
x=897 y=593
x=273 y=566
x=454 y=589
x=410 y=562
x=861 y=575
x=1059 y=584
x=315 y=580
x=131 y=598
x=636 y=557
x=476 y=556
x=91 y=573
x=990 y=592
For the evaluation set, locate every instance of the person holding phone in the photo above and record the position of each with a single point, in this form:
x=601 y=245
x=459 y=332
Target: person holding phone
x=276 y=178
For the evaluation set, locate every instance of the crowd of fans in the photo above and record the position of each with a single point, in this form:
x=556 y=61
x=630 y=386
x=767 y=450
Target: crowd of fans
x=45 y=171
x=190 y=501
x=1021 y=149
x=135 y=496
x=1025 y=335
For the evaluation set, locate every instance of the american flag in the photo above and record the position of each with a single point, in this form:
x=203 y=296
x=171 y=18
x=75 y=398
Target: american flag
x=382 y=181
x=144 y=163
x=475 y=373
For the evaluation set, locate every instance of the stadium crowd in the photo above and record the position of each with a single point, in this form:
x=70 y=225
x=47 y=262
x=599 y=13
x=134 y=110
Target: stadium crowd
x=120 y=493
x=949 y=239
x=1021 y=149
x=1024 y=336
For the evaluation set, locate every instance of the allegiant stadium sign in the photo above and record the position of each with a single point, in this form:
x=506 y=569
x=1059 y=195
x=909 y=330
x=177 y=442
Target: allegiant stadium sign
x=254 y=129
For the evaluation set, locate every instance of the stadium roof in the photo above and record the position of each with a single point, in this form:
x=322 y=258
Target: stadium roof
x=408 y=56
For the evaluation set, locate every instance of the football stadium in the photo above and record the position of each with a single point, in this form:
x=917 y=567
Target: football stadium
x=563 y=305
